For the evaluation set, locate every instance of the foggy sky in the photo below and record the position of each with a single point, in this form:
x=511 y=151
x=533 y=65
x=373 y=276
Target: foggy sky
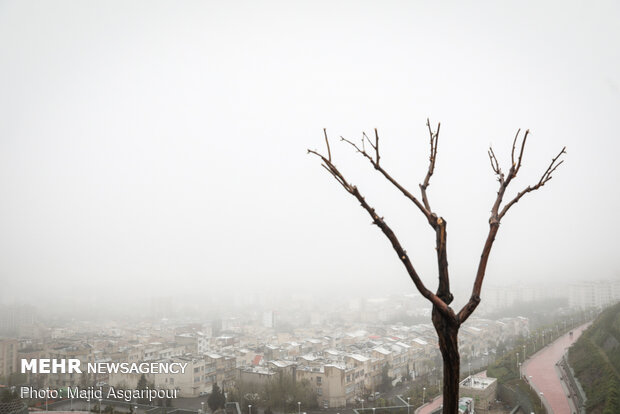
x=151 y=148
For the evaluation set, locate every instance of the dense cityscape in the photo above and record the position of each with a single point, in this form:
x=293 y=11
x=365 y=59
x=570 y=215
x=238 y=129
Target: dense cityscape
x=242 y=207
x=355 y=351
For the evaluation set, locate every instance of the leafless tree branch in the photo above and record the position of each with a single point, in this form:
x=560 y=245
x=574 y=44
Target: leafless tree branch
x=546 y=176
x=515 y=167
x=369 y=141
x=377 y=157
x=527 y=132
x=373 y=161
x=434 y=140
x=514 y=143
x=497 y=215
x=438 y=224
x=387 y=231
x=329 y=153
x=495 y=165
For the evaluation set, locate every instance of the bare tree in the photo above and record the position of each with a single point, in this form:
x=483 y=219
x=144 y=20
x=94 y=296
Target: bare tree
x=446 y=321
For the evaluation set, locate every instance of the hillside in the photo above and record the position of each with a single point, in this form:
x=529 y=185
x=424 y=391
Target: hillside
x=595 y=358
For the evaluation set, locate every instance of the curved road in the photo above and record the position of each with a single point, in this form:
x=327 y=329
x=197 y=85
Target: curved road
x=544 y=377
x=540 y=370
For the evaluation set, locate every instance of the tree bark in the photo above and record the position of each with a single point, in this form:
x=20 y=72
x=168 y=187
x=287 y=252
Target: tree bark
x=447 y=330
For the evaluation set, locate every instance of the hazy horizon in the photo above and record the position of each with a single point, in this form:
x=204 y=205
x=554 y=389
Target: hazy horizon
x=153 y=148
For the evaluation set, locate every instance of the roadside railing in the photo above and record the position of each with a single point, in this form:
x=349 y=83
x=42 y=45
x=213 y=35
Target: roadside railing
x=577 y=394
x=13 y=407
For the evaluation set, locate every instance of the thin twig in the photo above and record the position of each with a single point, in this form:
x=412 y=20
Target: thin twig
x=495 y=165
x=377 y=147
x=516 y=170
x=369 y=141
x=434 y=140
x=329 y=153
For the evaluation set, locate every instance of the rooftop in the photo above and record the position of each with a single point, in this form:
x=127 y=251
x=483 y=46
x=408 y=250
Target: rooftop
x=420 y=341
x=475 y=382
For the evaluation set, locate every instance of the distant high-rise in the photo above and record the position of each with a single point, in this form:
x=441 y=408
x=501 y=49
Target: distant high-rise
x=594 y=294
x=14 y=317
x=8 y=356
x=269 y=319
x=497 y=297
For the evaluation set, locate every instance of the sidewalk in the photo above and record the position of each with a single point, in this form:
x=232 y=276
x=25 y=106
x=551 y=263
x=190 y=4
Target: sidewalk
x=540 y=372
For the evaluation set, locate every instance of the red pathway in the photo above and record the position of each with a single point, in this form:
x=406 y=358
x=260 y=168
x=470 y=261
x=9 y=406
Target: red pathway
x=429 y=407
x=544 y=377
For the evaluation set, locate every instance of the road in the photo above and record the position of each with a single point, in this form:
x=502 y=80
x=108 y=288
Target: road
x=540 y=370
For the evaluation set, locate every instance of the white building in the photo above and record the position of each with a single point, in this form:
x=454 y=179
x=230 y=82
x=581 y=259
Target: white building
x=594 y=294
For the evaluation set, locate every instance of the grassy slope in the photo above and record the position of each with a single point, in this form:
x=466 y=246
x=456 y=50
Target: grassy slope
x=595 y=357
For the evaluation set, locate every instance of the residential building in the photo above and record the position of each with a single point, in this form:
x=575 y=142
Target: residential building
x=8 y=356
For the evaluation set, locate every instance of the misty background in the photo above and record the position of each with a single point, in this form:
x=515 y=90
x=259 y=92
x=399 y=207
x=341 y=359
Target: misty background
x=159 y=149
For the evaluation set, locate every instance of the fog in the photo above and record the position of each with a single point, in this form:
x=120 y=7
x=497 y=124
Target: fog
x=159 y=148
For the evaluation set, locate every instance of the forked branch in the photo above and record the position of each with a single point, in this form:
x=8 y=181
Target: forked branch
x=387 y=231
x=376 y=166
x=438 y=224
x=443 y=297
x=495 y=165
x=423 y=206
x=546 y=176
x=497 y=214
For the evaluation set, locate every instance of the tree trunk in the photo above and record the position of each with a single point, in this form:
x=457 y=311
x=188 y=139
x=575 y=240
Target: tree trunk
x=447 y=331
